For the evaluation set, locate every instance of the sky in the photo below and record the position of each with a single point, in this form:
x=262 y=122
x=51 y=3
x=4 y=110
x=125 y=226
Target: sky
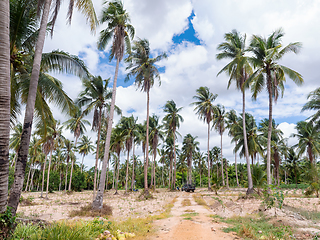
x=189 y=31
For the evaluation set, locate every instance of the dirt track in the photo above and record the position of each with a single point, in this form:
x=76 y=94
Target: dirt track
x=180 y=226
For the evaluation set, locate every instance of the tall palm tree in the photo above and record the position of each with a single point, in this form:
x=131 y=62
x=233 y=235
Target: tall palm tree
x=267 y=53
x=172 y=120
x=238 y=69
x=86 y=7
x=76 y=124
x=5 y=102
x=143 y=67
x=314 y=104
x=96 y=97
x=119 y=28
x=156 y=134
x=205 y=109
x=233 y=126
x=277 y=143
x=309 y=139
x=85 y=147
x=15 y=140
x=219 y=123
x=190 y=146
x=130 y=131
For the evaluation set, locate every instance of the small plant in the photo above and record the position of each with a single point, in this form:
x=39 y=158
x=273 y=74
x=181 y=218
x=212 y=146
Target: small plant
x=89 y=212
x=186 y=202
x=273 y=197
x=7 y=224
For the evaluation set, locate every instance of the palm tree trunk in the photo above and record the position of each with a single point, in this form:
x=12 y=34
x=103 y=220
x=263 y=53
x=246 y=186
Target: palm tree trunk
x=98 y=172
x=82 y=163
x=132 y=178
x=4 y=103
x=27 y=184
x=208 y=152
x=236 y=168
x=222 y=174
x=227 y=177
x=97 y=157
x=127 y=172
x=269 y=127
x=107 y=175
x=246 y=150
x=48 y=176
x=59 y=180
x=98 y=201
x=113 y=175
x=14 y=159
x=43 y=171
x=170 y=169
x=154 y=173
x=66 y=177
x=117 y=176
x=151 y=184
x=146 y=192
x=175 y=159
x=71 y=171
x=31 y=182
x=16 y=188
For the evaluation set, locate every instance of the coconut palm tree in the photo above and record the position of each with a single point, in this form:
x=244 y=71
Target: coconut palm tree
x=130 y=131
x=189 y=147
x=200 y=162
x=309 y=139
x=267 y=52
x=219 y=124
x=277 y=143
x=143 y=67
x=85 y=147
x=172 y=121
x=119 y=28
x=156 y=134
x=205 y=110
x=76 y=124
x=314 y=104
x=15 y=140
x=86 y=7
x=238 y=69
x=233 y=126
x=96 y=97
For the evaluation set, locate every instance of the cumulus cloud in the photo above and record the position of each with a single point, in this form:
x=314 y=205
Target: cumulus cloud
x=190 y=66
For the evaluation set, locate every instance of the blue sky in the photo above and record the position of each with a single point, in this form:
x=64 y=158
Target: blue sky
x=189 y=31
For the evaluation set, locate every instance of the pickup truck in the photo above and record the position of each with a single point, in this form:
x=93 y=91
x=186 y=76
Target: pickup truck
x=188 y=188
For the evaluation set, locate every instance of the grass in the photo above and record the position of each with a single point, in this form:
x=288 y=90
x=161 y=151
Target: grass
x=310 y=215
x=78 y=230
x=188 y=216
x=87 y=211
x=199 y=200
x=186 y=202
x=256 y=228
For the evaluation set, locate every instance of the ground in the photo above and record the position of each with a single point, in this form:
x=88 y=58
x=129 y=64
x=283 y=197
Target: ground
x=191 y=215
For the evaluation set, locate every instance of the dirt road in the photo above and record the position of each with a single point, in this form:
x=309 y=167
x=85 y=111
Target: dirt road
x=190 y=223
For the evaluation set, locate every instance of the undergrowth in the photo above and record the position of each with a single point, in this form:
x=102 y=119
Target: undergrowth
x=257 y=228
x=87 y=211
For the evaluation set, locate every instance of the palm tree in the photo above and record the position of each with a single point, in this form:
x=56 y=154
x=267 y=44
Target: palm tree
x=156 y=134
x=205 y=109
x=5 y=102
x=172 y=120
x=314 y=104
x=233 y=126
x=130 y=131
x=309 y=139
x=86 y=7
x=117 y=144
x=142 y=67
x=85 y=147
x=277 y=143
x=267 y=53
x=76 y=124
x=219 y=123
x=200 y=161
x=118 y=28
x=190 y=146
x=238 y=69
x=15 y=140
x=95 y=97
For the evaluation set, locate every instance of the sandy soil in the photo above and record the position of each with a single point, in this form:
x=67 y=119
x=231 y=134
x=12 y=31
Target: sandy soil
x=198 y=226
